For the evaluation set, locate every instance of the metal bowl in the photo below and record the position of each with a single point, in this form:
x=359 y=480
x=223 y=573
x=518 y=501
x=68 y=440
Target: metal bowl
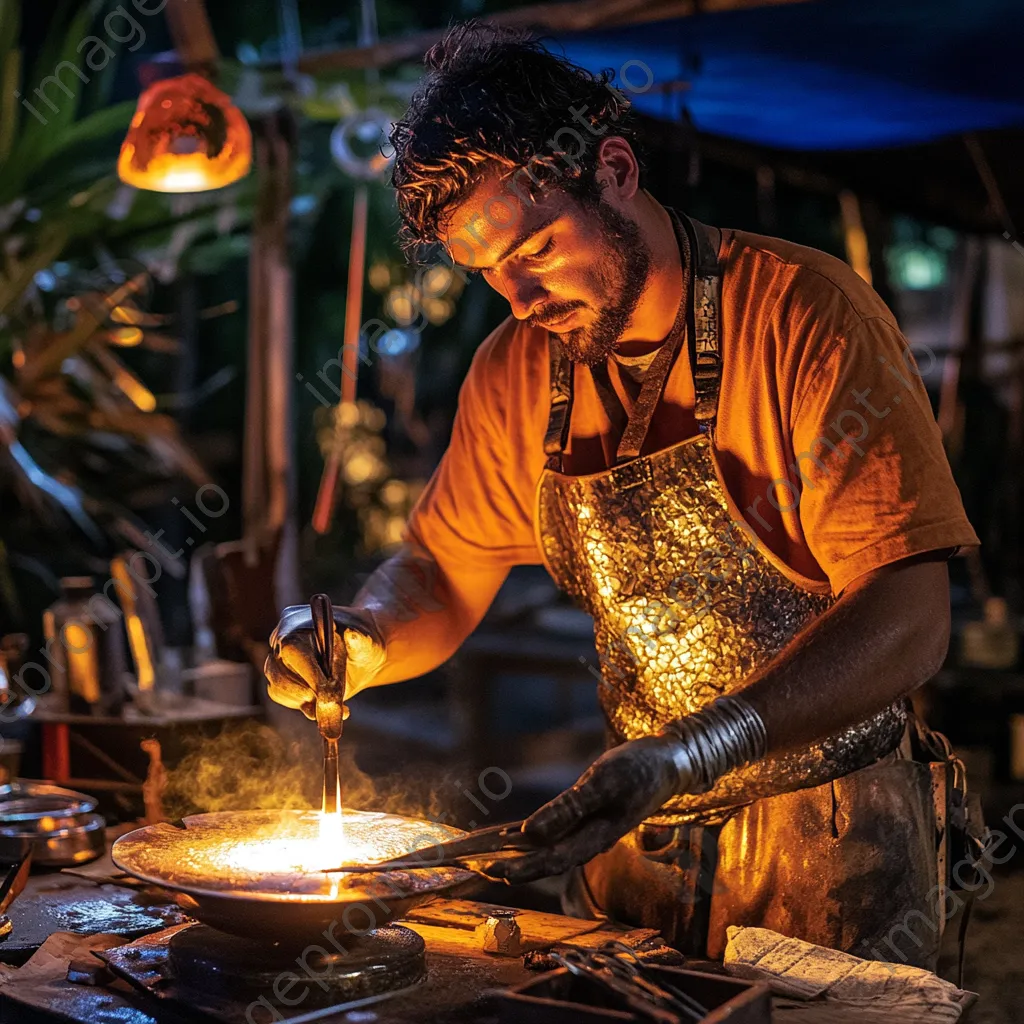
x=242 y=871
x=55 y=841
x=26 y=801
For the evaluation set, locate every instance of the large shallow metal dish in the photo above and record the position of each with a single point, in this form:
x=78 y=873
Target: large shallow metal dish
x=254 y=873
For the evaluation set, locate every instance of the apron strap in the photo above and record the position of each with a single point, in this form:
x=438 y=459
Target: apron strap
x=698 y=313
x=639 y=420
x=613 y=407
x=703 y=333
x=557 y=436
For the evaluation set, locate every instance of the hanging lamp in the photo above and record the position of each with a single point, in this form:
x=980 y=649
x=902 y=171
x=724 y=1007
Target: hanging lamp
x=186 y=135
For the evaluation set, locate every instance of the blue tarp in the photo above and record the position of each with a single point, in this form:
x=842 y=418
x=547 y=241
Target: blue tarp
x=829 y=74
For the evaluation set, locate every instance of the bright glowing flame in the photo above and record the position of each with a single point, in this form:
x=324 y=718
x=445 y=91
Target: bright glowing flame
x=276 y=852
x=330 y=841
x=302 y=852
x=167 y=174
x=332 y=832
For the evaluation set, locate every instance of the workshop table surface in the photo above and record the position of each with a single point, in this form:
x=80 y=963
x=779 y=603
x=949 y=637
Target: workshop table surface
x=57 y=918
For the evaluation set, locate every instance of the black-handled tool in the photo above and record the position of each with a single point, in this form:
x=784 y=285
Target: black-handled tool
x=10 y=887
x=468 y=851
x=323 y=632
x=330 y=707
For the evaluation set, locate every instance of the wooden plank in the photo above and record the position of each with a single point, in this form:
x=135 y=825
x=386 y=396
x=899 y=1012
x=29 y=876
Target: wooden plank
x=553 y=17
x=450 y=926
x=632 y=937
x=190 y=29
x=450 y=941
x=539 y=929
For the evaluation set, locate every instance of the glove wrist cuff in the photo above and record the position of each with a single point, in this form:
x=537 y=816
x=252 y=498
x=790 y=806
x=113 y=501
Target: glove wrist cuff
x=723 y=735
x=360 y=619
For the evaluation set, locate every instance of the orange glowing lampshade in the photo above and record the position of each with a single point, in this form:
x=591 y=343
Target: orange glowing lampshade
x=186 y=136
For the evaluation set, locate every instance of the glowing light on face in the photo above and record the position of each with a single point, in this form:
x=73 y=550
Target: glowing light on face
x=575 y=266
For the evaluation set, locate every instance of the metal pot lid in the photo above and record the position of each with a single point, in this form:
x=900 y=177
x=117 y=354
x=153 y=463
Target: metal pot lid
x=28 y=800
x=55 y=827
x=274 y=856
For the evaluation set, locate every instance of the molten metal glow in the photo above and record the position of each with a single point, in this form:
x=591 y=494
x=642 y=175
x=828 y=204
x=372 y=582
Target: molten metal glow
x=301 y=853
x=305 y=852
x=273 y=852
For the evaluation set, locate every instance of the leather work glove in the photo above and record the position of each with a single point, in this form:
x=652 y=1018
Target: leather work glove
x=616 y=793
x=293 y=675
x=630 y=782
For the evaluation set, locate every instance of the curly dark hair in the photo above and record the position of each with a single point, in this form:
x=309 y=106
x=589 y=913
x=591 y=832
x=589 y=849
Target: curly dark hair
x=496 y=97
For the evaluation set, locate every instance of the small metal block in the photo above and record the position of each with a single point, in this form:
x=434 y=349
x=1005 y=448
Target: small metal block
x=501 y=934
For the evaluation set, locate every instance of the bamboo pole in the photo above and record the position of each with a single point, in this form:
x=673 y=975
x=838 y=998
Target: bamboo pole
x=323 y=510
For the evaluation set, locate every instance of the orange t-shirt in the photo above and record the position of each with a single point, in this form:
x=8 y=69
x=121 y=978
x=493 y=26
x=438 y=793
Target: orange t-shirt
x=825 y=435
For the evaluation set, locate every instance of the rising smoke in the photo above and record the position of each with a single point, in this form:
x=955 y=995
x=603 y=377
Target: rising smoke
x=250 y=766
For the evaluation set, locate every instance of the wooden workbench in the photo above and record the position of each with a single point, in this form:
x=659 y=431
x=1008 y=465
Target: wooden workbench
x=458 y=971
x=76 y=907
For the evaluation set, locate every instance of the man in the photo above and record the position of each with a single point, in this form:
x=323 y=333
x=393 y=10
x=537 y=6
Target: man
x=720 y=445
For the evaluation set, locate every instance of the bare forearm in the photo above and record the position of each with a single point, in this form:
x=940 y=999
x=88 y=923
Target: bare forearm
x=882 y=639
x=423 y=614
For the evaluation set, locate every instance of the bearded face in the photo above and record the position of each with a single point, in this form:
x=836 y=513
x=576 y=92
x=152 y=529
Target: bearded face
x=577 y=269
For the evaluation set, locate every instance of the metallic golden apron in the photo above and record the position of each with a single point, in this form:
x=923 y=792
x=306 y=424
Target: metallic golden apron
x=687 y=603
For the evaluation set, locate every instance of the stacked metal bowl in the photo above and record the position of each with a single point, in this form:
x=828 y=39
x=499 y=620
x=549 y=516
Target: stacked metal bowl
x=58 y=825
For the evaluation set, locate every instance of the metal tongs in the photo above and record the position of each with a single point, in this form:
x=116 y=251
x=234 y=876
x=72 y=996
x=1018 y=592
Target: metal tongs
x=330 y=707
x=10 y=888
x=617 y=968
x=485 y=844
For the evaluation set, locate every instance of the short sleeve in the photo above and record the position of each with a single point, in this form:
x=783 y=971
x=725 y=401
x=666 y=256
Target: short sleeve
x=876 y=486
x=473 y=514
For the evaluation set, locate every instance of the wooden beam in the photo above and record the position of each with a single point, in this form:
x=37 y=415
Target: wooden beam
x=942 y=204
x=573 y=16
x=190 y=29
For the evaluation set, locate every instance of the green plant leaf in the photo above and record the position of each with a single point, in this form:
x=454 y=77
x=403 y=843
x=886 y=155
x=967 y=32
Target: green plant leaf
x=10 y=26
x=50 y=359
x=36 y=138
x=10 y=77
x=10 y=74
x=97 y=125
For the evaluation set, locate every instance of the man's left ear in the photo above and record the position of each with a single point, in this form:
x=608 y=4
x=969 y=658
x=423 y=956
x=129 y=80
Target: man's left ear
x=618 y=172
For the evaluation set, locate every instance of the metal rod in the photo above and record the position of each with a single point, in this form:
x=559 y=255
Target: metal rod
x=329 y=698
x=106 y=785
x=551 y=18
x=331 y=801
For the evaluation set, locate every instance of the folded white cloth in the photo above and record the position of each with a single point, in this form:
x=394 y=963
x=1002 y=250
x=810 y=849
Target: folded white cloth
x=796 y=968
